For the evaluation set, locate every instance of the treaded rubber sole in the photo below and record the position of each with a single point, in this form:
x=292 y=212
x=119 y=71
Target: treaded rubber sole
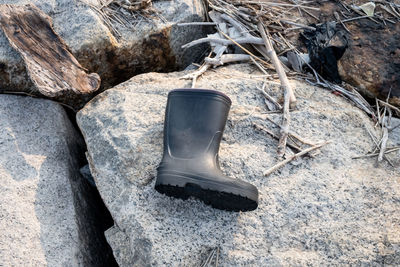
x=218 y=200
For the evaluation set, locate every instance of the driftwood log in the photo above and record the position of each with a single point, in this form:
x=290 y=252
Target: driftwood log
x=50 y=65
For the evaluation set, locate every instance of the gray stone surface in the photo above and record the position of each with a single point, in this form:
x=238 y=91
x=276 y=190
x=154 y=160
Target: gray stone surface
x=40 y=223
x=150 y=45
x=330 y=209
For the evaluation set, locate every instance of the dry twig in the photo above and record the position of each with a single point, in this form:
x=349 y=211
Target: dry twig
x=289 y=159
x=391 y=150
x=386 y=104
x=277 y=63
x=293 y=134
x=244 y=40
x=288 y=92
x=270 y=99
x=227 y=58
x=385 y=137
x=263 y=129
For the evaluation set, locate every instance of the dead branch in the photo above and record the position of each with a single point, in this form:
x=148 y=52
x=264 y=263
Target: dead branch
x=270 y=99
x=277 y=64
x=219 y=50
x=271 y=4
x=293 y=134
x=337 y=17
x=299 y=25
x=271 y=106
x=374 y=139
x=289 y=159
x=385 y=137
x=50 y=65
x=353 y=95
x=361 y=14
x=288 y=93
x=388 y=151
x=243 y=48
x=285 y=124
x=261 y=68
x=227 y=58
x=239 y=27
x=356 y=18
x=389 y=106
x=385 y=122
x=263 y=129
x=243 y=40
x=197 y=24
x=194 y=75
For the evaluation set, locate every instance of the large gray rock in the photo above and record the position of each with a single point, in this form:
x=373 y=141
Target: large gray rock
x=330 y=209
x=152 y=44
x=40 y=225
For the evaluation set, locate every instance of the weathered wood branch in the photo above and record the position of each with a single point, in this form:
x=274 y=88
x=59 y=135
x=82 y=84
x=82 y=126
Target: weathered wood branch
x=299 y=25
x=196 y=74
x=289 y=159
x=239 y=27
x=285 y=124
x=293 y=134
x=227 y=58
x=243 y=48
x=276 y=62
x=243 y=40
x=263 y=129
x=288 y=92
x=385 y=137
x=270 y=99
x=389 y=106
x=49 y=63
x=200 y=23
x=391 y=150
x=352 y=95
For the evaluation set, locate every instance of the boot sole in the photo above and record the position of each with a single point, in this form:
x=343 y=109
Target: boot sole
x=219 y=196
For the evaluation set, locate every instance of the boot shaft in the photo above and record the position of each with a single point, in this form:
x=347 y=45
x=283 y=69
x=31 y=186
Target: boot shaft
x=194 y=122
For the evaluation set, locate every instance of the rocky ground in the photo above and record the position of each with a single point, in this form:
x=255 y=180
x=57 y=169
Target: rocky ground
x=330 y=209
x=48 y=213
x=77 y=189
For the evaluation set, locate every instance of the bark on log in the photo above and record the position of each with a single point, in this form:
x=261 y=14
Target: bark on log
x=49 y=63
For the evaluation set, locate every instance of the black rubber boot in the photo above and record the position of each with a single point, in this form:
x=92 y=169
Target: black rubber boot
x=194 y=122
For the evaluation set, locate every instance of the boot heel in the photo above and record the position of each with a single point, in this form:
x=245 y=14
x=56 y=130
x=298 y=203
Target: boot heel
x=171 y=185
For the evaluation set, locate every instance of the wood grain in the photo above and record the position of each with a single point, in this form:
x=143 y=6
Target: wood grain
x=49 y=63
